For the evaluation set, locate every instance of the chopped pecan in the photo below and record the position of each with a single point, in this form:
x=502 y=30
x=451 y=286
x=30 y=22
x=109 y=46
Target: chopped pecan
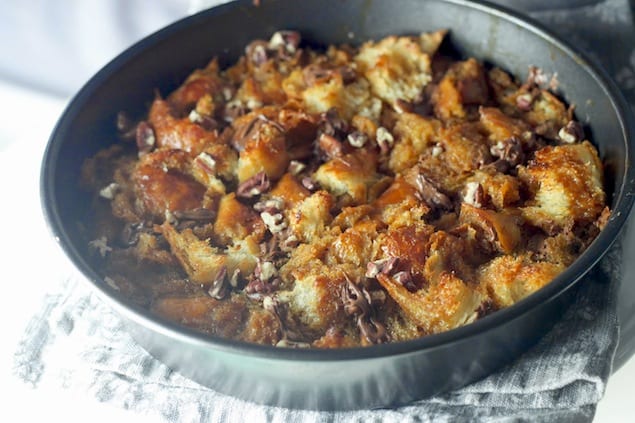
x=126 y=127
x=317 y=73
x=219 y=288
x=206 y=163
x=287 y=241
x=131 y=230
x=254 y=186
x=285 y=42
x=431 y=195
x=206 y=122
x=100 y=245
x=357 y=139
x=256 y=52
x=386 y=266
x=385 y=140
x=403 y=106
x=296 y=167
x=145 y=137
x=330 y=146
x=264 y=280
x=404 y=278
x=437 y=150
x=571 y=133
x=358 y=303
x=108 y=192
x=524 y=101
x=474 y=194
x=289 y=338
x=273 y=221
x=332 y=124
x=271 y=206
x=199 y=214
x=509 y=150
x=309 y=184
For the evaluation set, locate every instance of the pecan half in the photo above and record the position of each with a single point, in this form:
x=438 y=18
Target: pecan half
x=431 y=195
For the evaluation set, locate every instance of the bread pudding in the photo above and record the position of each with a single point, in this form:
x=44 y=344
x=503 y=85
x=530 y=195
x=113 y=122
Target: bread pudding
x=343 y=197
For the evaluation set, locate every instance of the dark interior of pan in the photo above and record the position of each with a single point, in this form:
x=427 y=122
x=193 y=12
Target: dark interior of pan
x=350 y=378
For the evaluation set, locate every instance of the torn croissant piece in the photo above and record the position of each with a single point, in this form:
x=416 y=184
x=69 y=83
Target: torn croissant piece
x=445 y=304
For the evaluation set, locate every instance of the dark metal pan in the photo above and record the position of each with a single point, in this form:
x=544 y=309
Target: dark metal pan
x=349 y=378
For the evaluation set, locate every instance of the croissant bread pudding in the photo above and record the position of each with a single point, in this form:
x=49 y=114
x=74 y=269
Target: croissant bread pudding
x=343 y=197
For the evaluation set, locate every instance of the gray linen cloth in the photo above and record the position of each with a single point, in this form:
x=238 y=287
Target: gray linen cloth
x=77 y=343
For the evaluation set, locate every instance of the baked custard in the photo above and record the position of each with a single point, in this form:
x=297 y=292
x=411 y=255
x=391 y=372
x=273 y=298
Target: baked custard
x=343 y=197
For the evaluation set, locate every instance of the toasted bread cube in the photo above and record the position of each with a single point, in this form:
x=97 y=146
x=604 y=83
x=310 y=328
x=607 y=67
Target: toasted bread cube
x=499 y=228
x=178 y=133
x=201 y=261
x=397 y=68
x=548 y=114
x=290 y=190
x=349 y=100
x=399 y=205
x=235 y=221
x=267 y=152
x=356 y=245
x=315 y=297
x=466 y=148
x=163 y=183
x=414 y=134
x=509 y=279
x=463 y=84
x=352 y=175
x=243 y=256
x=309 y=218
x=502 y=190
x=447 y=303
x=501 y=126
x=566 y=182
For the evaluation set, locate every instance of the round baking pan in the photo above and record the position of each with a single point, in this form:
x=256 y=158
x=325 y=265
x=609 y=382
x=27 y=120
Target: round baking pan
x=381 y=375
